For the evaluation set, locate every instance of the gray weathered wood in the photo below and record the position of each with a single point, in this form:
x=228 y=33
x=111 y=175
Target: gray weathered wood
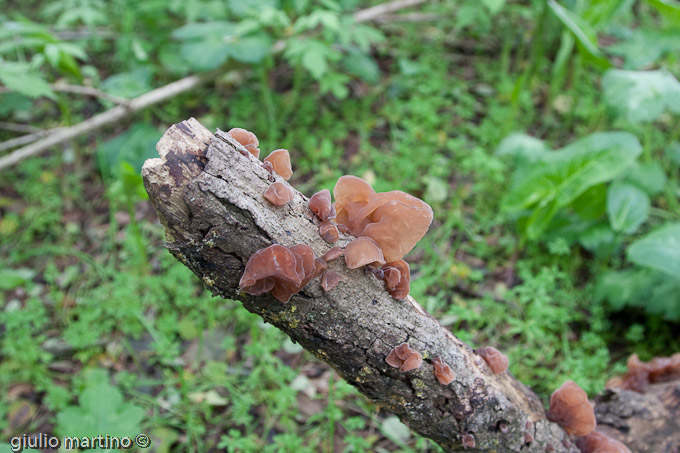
x=209 y=198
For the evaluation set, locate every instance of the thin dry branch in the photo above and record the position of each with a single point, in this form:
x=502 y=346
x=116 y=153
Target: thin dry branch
x=375 y=12
x=17 y=127
x=25 y=139
x=79 y=89
x=109 y=117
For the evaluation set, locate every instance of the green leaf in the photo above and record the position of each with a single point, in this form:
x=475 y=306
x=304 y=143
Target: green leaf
x=627 y=207
x=642 y=96
x=14 y=278
x=129 y=84
x=598 y=239
x=251 y=48
x=361 y=65
x=648 y=176
x=133 y=147
x=669 y=9
x=646 y=46
x=560 y=177
x=591 y=204
x=101 y=410
x=658 y=250
x=524 y=148
x=494 y=6
x=18 y=77
x=582 y=31
x=206 y=45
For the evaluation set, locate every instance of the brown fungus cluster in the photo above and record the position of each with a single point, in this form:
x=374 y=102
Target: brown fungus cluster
x=404 y=358
x=442 y=371
x=397 y=277
x=570 y=408
x=640 y=374
x=495 y=359
x=597 y=442
x=283 y=271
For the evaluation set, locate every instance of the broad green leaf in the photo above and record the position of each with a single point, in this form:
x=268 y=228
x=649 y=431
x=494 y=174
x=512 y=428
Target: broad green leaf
x=592 y=203
x=582 y=31
x=658 y=250
x=641 y=96
x=598 y=239
x=204 y=30
x=669 y=9
x=206 y=45
x=101 y=409
x=646 y=46
x=395 y=430
x=14 y=278
x=523 y=147
x=627 y=207
x=18 y=77
x=361 y=65
x=648 y=176
x=250 y=49
x=494 y=6
x=129 y=84
x=560 y=177
x=133 y=147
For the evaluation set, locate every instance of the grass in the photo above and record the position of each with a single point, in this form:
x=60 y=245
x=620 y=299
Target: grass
x=87 y=287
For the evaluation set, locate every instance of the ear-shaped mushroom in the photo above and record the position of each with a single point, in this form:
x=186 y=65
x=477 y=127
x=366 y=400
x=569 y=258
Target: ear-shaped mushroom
x=280 y=161
x=321 y=205
x=570 y=408
x=395 y=220
x=329 y=232
x=397 y=276
x=330 y=280
x=404 y=358
x=469 y=441
x=442 y=371
x=497 y=361
x=597 y=442
x=351 y=194
x=279 y=194
x=320 y=267
x=333 y=253
x=640 y=374
x=363 y=251
x=247 y=139
x=277 y=269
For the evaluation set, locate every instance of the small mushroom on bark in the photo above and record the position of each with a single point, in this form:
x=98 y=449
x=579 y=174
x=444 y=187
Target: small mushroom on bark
x=363 y=251
x=404 y=358
x=247 y=139
x=442 y=371
x=280 y=162
x=497 y=361
x=333 y=253
x=320 y=267
x=279 y=194
x=321 y=205
x=330 y=280
x=597 y=442
x=329 y=232
x=640 y=374
x=397 y=277
x=570 y=408
x=280 y=270
x=469 y=441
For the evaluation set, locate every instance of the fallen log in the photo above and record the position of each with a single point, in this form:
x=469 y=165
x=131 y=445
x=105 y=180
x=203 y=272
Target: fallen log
x=209 y=198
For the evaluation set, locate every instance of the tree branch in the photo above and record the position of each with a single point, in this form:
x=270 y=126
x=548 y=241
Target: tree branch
x=109 y=117
x=209 y=198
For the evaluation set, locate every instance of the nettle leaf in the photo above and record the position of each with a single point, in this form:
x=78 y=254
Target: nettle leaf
x=658 y=250
x=101 y=409
x=361 y=65
x=19 y=77
x=560 y=177
x=14 y=278
x=627 y=207
x=641 y=96
x=312 y=54
x=582 y=31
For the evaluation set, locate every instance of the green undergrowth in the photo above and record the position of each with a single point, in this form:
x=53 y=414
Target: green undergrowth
x=93 y=310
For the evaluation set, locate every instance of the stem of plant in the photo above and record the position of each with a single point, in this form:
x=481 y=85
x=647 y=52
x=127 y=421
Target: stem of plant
x=268 y=102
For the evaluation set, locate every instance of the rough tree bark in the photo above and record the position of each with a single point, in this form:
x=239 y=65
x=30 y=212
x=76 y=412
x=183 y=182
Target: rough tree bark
x=208 y=195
